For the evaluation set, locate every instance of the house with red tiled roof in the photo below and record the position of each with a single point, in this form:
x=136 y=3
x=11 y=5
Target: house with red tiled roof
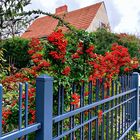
x=88 y=18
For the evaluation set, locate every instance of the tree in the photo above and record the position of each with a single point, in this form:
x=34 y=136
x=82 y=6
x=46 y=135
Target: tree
x=11 y=23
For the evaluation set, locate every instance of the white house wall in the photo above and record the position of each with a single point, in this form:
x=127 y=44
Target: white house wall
x=101 y=16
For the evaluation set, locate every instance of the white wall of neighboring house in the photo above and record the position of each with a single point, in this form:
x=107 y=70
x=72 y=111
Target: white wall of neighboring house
x=101 y=16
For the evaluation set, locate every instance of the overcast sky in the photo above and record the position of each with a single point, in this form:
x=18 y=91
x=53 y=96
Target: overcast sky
x=124 y=15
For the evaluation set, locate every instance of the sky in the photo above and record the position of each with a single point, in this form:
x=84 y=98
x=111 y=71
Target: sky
x=124 y=15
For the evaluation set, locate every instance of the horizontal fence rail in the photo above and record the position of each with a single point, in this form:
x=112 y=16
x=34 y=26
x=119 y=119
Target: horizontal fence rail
x=82 y=111
x=23 y=129
x=118 y=106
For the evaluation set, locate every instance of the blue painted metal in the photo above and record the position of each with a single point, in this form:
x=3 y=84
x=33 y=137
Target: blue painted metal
x=72 y=107
x=122 y=104
x=26 y=108
x=82 y=113
x=90 y=111
x=122 y=107
x=26 y=104
x=44 y=106
x=17 y=134
x=59 y=110
x=136 y=78
x=96 y=122
x=75 y=128
x=116 y=110
x=62 y=108
x=107 y=117
x=119 y=100
x=20 y=106
x=112 y=112
x=127 y=131
x=103 y=108
x=86 y=122
x=1 y=93
x=21 y=132
x=87 y=107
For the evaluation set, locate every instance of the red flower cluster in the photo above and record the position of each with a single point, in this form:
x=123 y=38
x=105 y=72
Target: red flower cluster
x=90 y=49
x=132 y=65
x=106 y=97
x=86 y=93
x=44 y=63
x=109 y=65
x=78 y=52
x=58 y=40
x=30 y=52
x=10 y=82
x=66 y=71
x=75 y=56
x=31 y=94
x=56 y=55
x=32 y=113
x=81 y=51
x=55 y=36
x=5 y=115
x=36 y=55
x=76 y=100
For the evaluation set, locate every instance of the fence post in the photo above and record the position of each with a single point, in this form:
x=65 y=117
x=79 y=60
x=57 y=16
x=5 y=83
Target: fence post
x=136 y=80
x=44 y=107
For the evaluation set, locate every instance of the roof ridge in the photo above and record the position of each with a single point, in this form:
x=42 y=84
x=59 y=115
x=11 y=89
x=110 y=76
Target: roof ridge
x=87 y=6
x=74 y=10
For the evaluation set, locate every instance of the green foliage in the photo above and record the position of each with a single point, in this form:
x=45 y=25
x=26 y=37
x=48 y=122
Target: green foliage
x=80 y=65
x=2 y=60
x=3 y=71
x=16 y=51
x=103 y=40
x=131 y=42
x=135 y=136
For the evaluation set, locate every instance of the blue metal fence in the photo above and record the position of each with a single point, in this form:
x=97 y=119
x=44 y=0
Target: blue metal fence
x=58 y=119
x=22 y=130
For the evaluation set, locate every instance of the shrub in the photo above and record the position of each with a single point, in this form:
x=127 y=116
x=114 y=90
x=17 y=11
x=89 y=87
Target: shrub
x=103 y=41
x=131 y=42
x=16 y=51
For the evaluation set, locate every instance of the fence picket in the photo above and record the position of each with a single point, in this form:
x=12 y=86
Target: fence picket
x=26 y=108
x=1 y=94
x=120 y=111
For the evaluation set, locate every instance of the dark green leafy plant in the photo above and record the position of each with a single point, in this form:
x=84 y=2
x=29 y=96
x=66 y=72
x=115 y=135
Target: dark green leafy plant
x=16 y=52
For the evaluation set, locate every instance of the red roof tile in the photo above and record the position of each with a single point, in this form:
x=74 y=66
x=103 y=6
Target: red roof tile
x=80 y=18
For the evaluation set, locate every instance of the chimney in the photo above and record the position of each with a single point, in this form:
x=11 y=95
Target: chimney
x=61 y=10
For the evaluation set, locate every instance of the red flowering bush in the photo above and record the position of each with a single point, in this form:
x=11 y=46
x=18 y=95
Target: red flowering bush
x=111 y=64
x=67 y=62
